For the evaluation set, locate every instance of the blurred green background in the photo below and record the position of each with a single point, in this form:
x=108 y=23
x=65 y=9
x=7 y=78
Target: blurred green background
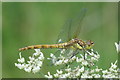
x=0 y=40
x=40 y=23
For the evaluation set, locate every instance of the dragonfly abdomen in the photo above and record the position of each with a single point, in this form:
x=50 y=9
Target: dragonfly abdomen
x=62 y=45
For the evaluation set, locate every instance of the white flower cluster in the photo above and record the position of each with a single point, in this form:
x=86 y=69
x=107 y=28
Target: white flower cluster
x=88 y=60
x=112 y=72
x=77 y=72
x=85 y=68
x=84 y=72
x=34 y=64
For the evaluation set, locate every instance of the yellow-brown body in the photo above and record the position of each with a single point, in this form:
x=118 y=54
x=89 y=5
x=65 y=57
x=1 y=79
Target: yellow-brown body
x=74 y=43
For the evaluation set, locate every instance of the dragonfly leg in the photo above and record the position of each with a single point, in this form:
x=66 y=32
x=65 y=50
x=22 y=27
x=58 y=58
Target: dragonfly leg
x=84 y=55
x=74 y=53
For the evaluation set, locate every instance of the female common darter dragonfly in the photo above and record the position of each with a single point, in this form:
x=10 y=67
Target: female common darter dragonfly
x=69 y=37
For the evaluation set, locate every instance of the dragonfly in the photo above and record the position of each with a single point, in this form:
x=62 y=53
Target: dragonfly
x=68 y=37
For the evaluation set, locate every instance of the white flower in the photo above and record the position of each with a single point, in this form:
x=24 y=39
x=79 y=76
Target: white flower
x=48 y=76
x=79 y=59
x=52 y=55
x=21 y=60
x=117 y=47
x=114 y=65
x=81 y=69
x=31 y=58
x=93 y=59
x=85 y=75
x=28 y=69
x=62 y=76
x=97 y=70
x=97 y=56
x=67 y=75
x=41 y=57
x=20 y=66
x=73 y=58
x=62 y=51
x=66 y=61
x=91 y=53
x=84 y=62
x=59 y=72
x=39 y=63
x=68 y=69
x=35 y=69
x=56 y=75
x=105 y=71
x=34 y=64
x=37 y=51
x=92 y=71
x=96 y=75
x=59 y=62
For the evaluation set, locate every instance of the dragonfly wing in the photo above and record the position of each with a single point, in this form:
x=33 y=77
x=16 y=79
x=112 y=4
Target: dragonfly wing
x=65 y=34
x=71 y=28
x=68 y=53
x=77 y=23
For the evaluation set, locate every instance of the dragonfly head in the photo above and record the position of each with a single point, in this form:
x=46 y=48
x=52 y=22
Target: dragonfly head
x=89 y=44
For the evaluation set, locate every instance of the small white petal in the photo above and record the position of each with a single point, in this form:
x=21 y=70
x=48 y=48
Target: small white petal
x=37 y=50
x=36 y=69
x=51 y=55
x=66 y=60
x=117 y=47
x=39 y=63
x=59 y=72
x=104 y=71
x=48 y=76
x=28 y=69
x=21 y=60
x=59 y=62
x=36 y=54
x=85 y=63
x=41 y=55
x=79 y=59
x=98 y=70
x=62 y=51
x=68 y=69
x=31 y=58
x=97 y=76
x=56 y=75
x=82 y=69
x=74 y=57
x=20 y=66
x=94 y=59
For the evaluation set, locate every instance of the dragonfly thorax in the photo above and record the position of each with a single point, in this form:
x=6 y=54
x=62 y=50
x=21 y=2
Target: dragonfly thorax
x=84 y=44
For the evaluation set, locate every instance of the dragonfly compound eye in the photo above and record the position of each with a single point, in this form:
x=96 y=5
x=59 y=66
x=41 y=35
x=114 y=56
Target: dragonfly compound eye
x=89 y=43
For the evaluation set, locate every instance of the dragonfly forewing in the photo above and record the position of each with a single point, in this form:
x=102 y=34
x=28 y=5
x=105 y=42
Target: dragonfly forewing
x=72 y=27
